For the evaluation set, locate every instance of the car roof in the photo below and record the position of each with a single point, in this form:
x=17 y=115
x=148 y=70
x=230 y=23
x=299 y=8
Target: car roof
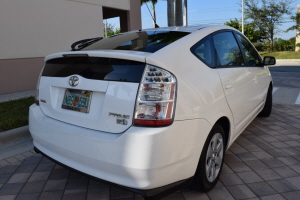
x=182 y=28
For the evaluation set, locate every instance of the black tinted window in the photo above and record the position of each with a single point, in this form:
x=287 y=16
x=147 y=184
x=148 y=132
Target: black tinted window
x=204 y=51
x=95 y=68
x=146 y=41
x=253 y=59
x=228 y=51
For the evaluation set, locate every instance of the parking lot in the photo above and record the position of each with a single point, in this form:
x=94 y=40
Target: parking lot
x=263 y=163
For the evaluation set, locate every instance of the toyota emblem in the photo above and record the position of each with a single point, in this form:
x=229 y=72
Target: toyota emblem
x=73 y=81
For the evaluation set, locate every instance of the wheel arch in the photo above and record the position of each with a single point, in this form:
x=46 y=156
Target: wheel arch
x=225 y=123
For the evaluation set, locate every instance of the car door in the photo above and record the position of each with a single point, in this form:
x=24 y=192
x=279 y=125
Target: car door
x=239 y=80
x=260 y=72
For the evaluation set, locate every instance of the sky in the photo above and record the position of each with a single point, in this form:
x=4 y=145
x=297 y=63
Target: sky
x=207 y=12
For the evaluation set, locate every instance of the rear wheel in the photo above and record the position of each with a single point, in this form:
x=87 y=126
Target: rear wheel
x=266 y=111
x=211 y=160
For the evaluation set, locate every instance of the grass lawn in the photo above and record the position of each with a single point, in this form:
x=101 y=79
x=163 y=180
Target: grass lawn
x=282 y=54
x=14 y=114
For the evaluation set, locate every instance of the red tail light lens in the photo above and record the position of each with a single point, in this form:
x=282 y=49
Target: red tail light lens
x=156 y=98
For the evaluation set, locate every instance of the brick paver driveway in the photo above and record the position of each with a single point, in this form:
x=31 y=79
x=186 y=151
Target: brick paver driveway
x=264 y=163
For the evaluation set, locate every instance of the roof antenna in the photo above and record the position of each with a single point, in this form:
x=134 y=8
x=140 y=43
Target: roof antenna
x=156 y=26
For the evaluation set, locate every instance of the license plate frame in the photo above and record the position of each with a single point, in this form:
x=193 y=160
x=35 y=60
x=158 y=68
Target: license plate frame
x=77 y=100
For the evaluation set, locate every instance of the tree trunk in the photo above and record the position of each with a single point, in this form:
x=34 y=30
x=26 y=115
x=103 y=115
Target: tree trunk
x=153 y=14
x=178 y=13
x=171 y=19
x=185 y=14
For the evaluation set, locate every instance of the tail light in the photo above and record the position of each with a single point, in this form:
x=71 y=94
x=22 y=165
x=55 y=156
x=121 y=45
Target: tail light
x=156 y=98
x=36 y=98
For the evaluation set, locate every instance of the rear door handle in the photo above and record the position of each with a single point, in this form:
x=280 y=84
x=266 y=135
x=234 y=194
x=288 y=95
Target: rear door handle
x=228 y=86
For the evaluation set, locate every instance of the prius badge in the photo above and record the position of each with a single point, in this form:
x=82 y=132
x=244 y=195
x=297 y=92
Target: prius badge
x=74 y=81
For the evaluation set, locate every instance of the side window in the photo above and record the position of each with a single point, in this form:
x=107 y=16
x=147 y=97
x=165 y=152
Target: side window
x=227 y=49
x=204 y=51
x=253 y=59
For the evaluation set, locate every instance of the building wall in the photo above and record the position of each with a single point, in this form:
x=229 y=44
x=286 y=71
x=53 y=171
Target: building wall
x=36 y=28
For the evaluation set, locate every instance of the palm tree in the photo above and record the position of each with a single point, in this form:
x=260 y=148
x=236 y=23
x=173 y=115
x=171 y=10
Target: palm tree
x=171 y=18
x=178 y=11
x=153 y=9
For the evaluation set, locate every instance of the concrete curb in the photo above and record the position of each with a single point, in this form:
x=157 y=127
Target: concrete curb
x=288 y=62
x=13 y=136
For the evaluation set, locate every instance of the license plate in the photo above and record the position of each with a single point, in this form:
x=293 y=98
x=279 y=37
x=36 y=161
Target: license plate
x=77 y=100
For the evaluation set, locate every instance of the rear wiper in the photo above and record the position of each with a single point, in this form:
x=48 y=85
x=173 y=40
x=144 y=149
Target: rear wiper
x=84 y=43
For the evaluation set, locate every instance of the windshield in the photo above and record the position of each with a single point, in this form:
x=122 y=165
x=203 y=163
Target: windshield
x=145 y=41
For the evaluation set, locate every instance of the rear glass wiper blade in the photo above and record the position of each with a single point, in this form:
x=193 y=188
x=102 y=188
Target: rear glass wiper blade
x=84 y=43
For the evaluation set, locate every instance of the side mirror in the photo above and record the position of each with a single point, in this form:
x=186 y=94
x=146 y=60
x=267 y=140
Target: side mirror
x=269 y=60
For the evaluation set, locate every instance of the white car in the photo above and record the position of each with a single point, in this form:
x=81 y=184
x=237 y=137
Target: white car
x=150 y=109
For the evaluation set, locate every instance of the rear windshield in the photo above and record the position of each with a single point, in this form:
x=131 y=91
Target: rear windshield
x=96 y=68
x=145 y=41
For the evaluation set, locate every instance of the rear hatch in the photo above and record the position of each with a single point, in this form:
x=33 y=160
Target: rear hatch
x=92 y=91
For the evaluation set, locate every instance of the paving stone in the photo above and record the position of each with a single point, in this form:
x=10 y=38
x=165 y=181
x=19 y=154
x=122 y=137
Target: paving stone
x=294 y=136
x=230 y=179
x=292 y=143
x=246 y=156
x=291 y=151
x=277 y=153
x=252 y=148
x=282 y=138
x=239 y=167
x=220 y=193
x=285 y=172
x=3 y=163
x=26 y=168
x=8 y=197
x=226 y=169
x=39 y=176
x=45 y=166
x=279 y=145
x=236 y=148
x=193 y=195
x=296 y=168
x=241 y=192
x=75 y=175
x=273 y=197
x=78 y=194
x=265 y=146
x=282 y=185
x=267 y=174
x=11 y=160
x=53 y=195
x=28 y=154
x=117 y=193
x=4 y=178
x=262 y=154
x=34 y=159
x=32 y=196
x=269 y=138
x=11 y=189
x=9 y=169
x=292 y=195
x=59 y=174
x=44 y=159
x=288 y=160
x=231 y=158
x=173 y=196
x=33 y=187
x=57 y=166
x=97 y=183
x=256 y=164
x=98 y=193
x=55 y=185
x=261 y=189
x=295 y=181
x=273 y=162
x=19 y=177
x=249 y=177
x=77 y=183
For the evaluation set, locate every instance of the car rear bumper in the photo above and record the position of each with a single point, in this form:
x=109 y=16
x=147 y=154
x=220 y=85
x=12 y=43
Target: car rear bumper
x=140 y=158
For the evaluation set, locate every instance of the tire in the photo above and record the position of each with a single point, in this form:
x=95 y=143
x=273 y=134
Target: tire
x=211 y=160
x=266 y=111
